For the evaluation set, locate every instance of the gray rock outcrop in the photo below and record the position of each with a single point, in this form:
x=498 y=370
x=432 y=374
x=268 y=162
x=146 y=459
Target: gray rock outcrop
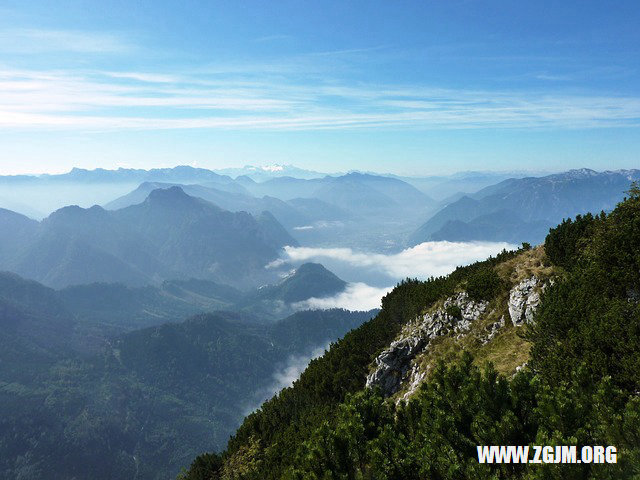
x=394 y=365
x=524 y=299
x=416 y=376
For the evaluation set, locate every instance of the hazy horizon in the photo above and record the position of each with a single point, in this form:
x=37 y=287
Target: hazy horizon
x=269 y=168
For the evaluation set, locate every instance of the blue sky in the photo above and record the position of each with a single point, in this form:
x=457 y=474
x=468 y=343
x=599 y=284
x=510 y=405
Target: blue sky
x=418 y=87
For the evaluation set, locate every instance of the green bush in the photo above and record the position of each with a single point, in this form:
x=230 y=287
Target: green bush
x=564 y=242
x=484 y=284
x=454 y=311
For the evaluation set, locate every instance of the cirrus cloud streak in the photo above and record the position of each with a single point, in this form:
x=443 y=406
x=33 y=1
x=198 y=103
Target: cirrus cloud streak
x=108 y=100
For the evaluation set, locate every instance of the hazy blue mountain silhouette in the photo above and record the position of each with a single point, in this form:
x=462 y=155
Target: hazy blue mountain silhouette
x=522 y=210
x=355 y=192
x=296 y=212
x=170 y=235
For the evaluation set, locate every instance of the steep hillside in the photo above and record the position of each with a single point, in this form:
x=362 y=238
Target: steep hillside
x=522 y=210
x=35 y=325
x=17 y=229
x=408 y=395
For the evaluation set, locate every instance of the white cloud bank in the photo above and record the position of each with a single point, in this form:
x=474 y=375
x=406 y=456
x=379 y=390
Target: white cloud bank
x=422 y=261
x=356 y=296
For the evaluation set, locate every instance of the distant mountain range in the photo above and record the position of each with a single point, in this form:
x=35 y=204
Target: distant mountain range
x=523 y=210
x=318 y=210
x=446 y=188
x=359 y=210
x=39 y=195
x=265 y=172
x=179 y=174
x=338 y=196
x=170 y=235
x=291 y=214
x=356 y=191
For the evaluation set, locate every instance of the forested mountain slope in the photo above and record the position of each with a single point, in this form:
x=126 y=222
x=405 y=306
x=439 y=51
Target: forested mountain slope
x=105 y=309
x=150 y=400
x=409 y=394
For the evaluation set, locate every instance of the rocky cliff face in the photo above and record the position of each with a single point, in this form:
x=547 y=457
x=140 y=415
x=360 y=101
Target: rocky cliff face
x=397 y=368
x=394 y=365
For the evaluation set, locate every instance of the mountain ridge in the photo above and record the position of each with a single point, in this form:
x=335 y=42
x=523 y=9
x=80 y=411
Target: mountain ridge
x=541 y=201
x=169 y=235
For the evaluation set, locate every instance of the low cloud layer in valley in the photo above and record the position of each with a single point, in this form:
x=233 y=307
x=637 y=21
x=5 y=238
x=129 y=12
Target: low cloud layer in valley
x=422 y=261
x=372 y=275
x=356 y=296
x=284 y=375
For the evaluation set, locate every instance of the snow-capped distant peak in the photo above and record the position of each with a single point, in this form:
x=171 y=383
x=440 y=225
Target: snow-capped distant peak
x=582 y=172
x=272 y=168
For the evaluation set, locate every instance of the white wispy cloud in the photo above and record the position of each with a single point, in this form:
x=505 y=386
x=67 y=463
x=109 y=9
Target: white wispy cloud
x=94 y=100
x=146 y=77
x=284 y=376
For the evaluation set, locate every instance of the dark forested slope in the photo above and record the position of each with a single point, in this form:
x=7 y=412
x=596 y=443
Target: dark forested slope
x=151 y=400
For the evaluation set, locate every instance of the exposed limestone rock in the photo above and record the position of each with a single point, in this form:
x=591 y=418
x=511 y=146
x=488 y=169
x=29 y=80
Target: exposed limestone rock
x=416 y=376
x=524 y=299
x=393 y=365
